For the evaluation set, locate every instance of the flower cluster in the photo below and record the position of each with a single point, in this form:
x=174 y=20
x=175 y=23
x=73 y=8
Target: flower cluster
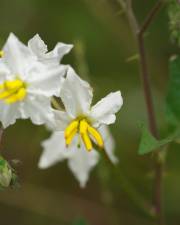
x=29 y=78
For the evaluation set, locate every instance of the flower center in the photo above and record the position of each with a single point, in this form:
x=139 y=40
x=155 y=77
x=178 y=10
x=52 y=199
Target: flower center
x=86 y=131
x=12 y=91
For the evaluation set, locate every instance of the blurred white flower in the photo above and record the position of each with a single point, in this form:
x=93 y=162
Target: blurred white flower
x=80 y=162
x=79 y=117
x=26 y=82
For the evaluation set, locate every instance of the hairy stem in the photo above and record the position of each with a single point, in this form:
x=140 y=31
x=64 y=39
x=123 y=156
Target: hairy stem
x=138 y=32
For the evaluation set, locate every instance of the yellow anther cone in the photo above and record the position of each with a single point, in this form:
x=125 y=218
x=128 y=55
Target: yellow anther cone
x=85 y=131
x=12 y=91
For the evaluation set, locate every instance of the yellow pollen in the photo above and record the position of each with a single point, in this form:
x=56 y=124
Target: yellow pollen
x=1 y=54
x=12 y=91
x=86 y=132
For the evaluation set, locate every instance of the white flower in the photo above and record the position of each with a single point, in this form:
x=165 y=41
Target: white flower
x=80 y=125
x=80 y=162
x=79 y=117
x=26 y=83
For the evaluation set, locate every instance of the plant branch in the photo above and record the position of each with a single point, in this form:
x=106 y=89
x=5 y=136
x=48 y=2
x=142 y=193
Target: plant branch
x=151 y=16
x=138 y=32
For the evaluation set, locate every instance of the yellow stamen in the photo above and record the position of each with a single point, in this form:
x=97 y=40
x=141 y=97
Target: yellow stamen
x=1 y=86
x=16 y=97
x=84 y=135
x=11 y=99
x=13 y=84
x=70 y=137
x=96 y=135
x=72 y=126
x=21 y=94
x=86 y=132
x=5 y=94
x=87 y=141
x=83 y=126
x=12 y=91
x=1 y=54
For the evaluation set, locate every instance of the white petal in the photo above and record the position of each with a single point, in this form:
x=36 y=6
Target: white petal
x=109 y=143
x=104 y=111
x=37 y=46
x=9 y=113
x=47 y=81
x=54 y=150
x=39 y=49
x=37 y=108
x=59 y=122
x=5 y=73
x=81 y=164
x=16 y=55
x=58 y=52
x=80 y=161
x=76 y=94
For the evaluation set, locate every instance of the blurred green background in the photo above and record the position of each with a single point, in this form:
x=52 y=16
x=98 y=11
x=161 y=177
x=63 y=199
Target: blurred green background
x=53 y=196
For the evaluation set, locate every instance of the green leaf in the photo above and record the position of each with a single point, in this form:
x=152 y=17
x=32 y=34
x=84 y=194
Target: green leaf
x=174 y=18
x=173 y=96
x=149 y=144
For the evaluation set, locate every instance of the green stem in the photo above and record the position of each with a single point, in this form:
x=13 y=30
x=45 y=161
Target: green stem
x=138 y=32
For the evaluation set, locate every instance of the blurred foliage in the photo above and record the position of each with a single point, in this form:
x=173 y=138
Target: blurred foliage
x=173 y=96
x=174 y=20
x=80 y=222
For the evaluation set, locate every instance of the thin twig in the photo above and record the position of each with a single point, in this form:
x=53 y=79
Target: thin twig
x=147 y=86
x=138 y=32
x=151 y=16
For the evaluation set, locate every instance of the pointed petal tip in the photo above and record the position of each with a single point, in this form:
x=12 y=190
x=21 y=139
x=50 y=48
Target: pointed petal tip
x=42 y=164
